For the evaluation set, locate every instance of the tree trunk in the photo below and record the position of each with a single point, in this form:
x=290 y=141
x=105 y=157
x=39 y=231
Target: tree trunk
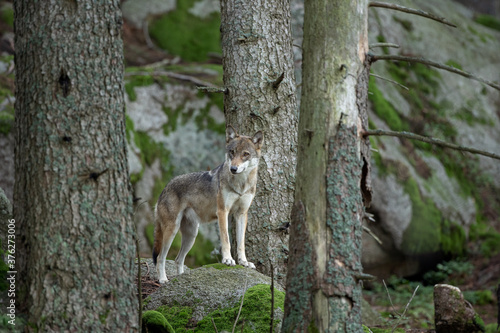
x=73 y=202
x=323 y=291
x=259 y=77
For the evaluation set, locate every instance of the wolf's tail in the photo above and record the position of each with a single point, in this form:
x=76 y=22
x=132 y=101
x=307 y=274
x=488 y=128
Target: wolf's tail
x=158 y=240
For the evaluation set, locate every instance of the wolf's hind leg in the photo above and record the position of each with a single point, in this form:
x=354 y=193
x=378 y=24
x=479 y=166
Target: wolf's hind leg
x=169 y=231
x=189 y=231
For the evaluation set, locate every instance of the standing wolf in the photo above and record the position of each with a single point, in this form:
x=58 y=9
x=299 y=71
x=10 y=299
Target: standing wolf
x=206 y=196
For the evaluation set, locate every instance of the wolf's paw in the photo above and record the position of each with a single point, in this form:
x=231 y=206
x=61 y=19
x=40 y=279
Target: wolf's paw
x=247 y=264
x=229 y=261
x=163 y=281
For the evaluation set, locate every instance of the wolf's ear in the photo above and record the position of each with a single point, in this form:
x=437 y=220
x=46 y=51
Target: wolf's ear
x=258 y=139
x=230 y=133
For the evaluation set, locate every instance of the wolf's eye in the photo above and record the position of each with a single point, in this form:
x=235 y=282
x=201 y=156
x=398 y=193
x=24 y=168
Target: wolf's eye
x=246 y=154
x=231 y=152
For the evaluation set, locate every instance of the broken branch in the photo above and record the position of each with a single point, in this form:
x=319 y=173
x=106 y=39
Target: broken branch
x=424 y=61
x=434 y=141
x=411 y=11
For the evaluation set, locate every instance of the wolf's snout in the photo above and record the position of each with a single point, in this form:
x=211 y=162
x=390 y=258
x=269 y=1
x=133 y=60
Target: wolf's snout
x=233 y=169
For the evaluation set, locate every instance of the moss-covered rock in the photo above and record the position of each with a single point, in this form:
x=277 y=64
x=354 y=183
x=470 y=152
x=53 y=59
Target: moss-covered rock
x=155 y=322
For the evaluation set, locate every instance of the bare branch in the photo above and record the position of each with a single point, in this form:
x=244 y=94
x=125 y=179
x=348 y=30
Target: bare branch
x=212 y=89
x=389 y=80
x=177 y=76
x=424 y=61
x=438 y=142
x=372 y=46
x=411 y=11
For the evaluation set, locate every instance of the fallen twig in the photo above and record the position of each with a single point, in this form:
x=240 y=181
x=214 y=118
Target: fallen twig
x=241 y=306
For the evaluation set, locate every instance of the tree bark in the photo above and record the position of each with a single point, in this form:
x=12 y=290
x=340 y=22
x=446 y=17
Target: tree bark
x=73 y=202
x=260 y=83
x=323 y=291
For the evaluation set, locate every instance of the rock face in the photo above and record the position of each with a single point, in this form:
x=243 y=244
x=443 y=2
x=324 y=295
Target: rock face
x=453 y=314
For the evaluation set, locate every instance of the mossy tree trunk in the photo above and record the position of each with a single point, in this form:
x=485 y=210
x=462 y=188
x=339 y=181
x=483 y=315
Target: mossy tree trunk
x=259 y=77
x=323 y=290
x=72 y=197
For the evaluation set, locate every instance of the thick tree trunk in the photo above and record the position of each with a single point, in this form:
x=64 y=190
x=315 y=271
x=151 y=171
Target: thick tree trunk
x=72 y=197
x=323 y=291
x=259 y=77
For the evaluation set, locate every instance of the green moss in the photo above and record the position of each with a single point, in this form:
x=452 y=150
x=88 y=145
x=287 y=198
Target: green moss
x=453 y=238
x=488 y=21
x=453 y=63
x=382 y=330
x=223 y=266
x=255 y=314
x=177 y=316
x=154 y=321
x=137 y=81
x=186 y=35
x=384 y=109
x=423 y=235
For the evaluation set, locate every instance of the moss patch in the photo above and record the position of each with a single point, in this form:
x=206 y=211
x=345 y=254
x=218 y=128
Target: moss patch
x=177 y=316
x=255 y=314
x=223 y=266
x=384 y=109
x=153 y=321
x=488 y=21
x=423 y=235
x=186 y=35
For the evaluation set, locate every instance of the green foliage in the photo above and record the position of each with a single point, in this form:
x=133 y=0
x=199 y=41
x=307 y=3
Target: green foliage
x=7 y=14
x=488 y=21
x=421 y=308
x=488 y=238
x=479 y=297
x=452 y=272
x=155 y=322
x=186 y=35
x=6 y=121
x=256 y=310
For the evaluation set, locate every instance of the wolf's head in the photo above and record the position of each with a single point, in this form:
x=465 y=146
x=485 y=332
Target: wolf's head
x=242 y=152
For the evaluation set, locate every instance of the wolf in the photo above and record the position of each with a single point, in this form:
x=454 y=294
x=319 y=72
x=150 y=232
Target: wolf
x=200 y=197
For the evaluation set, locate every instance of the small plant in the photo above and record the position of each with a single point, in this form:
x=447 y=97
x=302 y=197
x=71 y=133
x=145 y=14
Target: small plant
x=448 y=271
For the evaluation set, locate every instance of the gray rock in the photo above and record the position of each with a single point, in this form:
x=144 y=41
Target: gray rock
x=453 y=314
x=206 y=289
x=138 y=11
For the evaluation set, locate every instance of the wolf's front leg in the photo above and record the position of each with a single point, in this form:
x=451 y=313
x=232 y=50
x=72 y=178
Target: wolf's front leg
x=241 y=226
x=227 y=259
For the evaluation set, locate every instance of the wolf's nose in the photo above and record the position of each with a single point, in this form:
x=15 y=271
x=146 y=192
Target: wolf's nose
x=233 y=169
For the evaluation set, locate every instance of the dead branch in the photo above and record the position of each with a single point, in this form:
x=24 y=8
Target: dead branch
x=434 y=141
x=372 y=46
x=411 y=11
x=389 y=80
x=177 y=76
x=424 y=61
